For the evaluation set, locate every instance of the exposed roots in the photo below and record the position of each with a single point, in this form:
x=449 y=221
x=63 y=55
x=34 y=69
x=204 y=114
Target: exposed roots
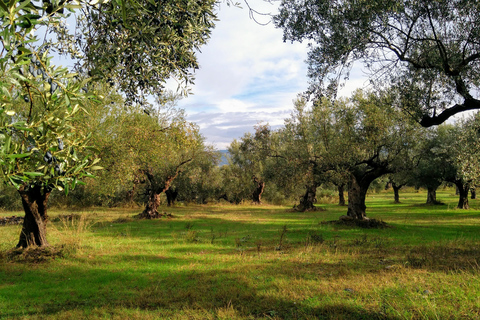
x=11 y=220
x=157 y=215
x=365 y=224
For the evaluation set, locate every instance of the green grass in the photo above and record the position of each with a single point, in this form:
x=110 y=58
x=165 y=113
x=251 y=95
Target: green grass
x=227 y=262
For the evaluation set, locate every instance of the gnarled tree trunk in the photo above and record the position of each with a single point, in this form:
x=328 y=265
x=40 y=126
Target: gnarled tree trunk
x=360 y=180
x=396 y=194
x=34 y=229
x=308 y=199
x=357 y=192
x=462 y=194
x=157 y=187
x=259 y=188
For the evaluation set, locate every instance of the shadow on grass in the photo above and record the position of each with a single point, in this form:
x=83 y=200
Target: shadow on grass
x=44 y=293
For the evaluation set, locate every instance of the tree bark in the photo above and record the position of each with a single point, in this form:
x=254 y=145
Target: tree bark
x=341 y=194
x=34 y=229
x=308 y=199
x=357 y=192
x=396 y=194
x=360 y=180
x=151 y=208
x=259 y=188
x=473 y=193
x=171 y=196
x=462 y=194
x=432 y=195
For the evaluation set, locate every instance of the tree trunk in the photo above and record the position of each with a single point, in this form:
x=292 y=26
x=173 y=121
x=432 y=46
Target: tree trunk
x=396 y=189
x=341 y=195
x=171 y=196
x=357 y=192
x=157 y=187
x=308 y=199
x=432 y=195
x=259 y=188
x=151 y=209
x=473 y=194
x=34 y=229
x=462 y=194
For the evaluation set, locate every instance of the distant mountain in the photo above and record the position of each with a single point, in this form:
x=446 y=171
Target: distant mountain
x=223 y=159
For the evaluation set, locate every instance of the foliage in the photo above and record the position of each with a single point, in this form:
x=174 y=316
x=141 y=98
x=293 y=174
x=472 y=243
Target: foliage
x=134 y=143
x=251 y=162
x=40 y=144
x=428 y=50
x=137 y=45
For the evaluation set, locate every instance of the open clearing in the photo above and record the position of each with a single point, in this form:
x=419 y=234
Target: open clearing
x=251 y=262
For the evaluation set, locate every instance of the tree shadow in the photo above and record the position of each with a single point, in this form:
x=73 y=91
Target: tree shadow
x=91 y=288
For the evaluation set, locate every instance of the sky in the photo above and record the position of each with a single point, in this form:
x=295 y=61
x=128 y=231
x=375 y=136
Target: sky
x=247 y=75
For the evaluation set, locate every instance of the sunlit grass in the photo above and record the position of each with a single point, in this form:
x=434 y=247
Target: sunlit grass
x=250 y=262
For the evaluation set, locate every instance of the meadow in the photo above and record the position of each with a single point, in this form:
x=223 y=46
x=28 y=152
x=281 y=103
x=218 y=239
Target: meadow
x=251 y=262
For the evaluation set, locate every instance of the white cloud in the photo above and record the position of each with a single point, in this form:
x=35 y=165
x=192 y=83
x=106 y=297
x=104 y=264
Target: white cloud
x=247 y=74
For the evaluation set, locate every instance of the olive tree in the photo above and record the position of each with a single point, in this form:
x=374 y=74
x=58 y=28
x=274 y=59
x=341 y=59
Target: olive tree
x=42 y=147
x=429 y=50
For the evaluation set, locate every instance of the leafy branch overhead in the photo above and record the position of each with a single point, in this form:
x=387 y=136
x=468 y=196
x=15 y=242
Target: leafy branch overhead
x=137 y=45
x=39 y=105
x=428 y=50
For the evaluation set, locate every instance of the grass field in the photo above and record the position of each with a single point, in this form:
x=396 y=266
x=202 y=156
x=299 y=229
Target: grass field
x=252 y=262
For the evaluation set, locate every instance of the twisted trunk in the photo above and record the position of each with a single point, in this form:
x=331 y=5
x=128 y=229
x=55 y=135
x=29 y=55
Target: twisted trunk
x=34 y=229
x=259 y=188
x=396 y=194
x=308 y=199
x=360 y=181
x=357 y=192
x=462 y=194
x=157 y=187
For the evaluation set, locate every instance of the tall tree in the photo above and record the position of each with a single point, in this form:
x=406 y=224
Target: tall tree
x=41 y=148
x=380 y=139
x=429 y=50
x=362 y=138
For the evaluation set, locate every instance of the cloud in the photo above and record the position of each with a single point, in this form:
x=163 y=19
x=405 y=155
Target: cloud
x=247 y=74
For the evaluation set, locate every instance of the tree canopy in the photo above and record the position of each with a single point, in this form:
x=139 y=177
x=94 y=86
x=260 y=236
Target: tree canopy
x=428 y=50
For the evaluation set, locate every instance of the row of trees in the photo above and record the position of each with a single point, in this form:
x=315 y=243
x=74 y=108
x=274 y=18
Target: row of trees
x=56 y=123
x=350 y=143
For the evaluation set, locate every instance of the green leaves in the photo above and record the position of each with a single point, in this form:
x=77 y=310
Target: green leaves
x=39 y=108
x=142 y=43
